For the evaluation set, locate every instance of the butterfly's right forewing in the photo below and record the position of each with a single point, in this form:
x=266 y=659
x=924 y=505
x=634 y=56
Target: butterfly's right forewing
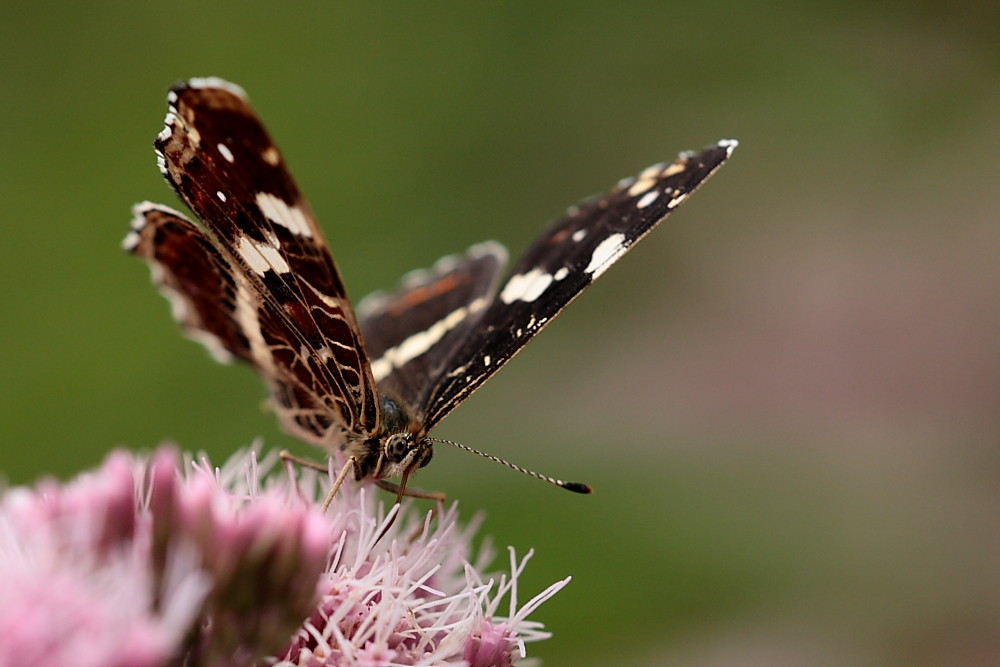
x=573 y=252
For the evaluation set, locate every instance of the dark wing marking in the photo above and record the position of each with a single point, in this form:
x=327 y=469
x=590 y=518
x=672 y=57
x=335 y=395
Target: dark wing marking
x=412 y=330
x=572 y=253
x=219 y=159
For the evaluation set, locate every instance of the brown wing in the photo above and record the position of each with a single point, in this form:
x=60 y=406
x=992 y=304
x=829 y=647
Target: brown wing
x=286 y=298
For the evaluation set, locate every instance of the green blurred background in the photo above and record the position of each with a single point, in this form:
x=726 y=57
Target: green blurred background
x=786 y=398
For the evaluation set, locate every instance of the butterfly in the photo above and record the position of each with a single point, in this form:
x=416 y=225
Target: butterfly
x=255 y=282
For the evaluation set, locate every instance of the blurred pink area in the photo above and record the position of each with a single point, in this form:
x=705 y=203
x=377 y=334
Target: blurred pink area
x=840 y=332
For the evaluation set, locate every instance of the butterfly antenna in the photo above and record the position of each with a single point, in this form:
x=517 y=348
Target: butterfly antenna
x=576 y=487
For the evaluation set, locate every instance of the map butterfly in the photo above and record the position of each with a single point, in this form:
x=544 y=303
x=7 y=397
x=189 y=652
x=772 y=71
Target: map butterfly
x=255 y=282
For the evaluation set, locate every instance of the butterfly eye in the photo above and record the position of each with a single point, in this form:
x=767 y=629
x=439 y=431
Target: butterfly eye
x=397 y=447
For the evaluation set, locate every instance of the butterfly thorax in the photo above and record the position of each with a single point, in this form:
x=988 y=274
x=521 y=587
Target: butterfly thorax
x=400 y=445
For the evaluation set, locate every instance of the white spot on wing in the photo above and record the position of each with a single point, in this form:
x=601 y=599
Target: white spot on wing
x=226 y=153
x=138 y=223
x=561 y=273
x=647 y=199
x=420 y=342
x=675 y=168
x=131 y=241
x=641 y=186
x=139 y=213
x=605 y=255
x=216 y=82
x=168 y=127
x=676 y=201
x=526 y=286
x=246 y=317
x=271 y=156
x=646 y=179
x=729 y=145
x=652 y=171
x=290 y=217
x=221 y=195
x=579 y=235
x=261 y=257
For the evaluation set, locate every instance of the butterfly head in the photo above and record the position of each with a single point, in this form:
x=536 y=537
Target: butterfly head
x=400 y=454
x=405 y=452
x=402 y=445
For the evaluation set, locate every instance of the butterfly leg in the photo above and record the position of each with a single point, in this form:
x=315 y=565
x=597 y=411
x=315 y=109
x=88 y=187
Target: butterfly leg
x=352 y=463
x=288 y=457
x=410 y=491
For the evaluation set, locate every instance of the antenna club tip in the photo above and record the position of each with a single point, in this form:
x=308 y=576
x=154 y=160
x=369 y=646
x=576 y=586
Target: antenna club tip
x=577 y=487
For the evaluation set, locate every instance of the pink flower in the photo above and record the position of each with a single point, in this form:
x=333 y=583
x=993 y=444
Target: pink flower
x=142 y=563
x=163 y=561
x=417 y=596
x=76 y=585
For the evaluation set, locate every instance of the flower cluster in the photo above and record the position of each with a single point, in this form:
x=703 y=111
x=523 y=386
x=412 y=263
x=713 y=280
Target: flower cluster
x=169 y=561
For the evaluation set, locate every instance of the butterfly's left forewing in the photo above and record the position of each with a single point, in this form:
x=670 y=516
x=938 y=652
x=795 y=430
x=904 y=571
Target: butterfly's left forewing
x=264 y=252
x=572 y=253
